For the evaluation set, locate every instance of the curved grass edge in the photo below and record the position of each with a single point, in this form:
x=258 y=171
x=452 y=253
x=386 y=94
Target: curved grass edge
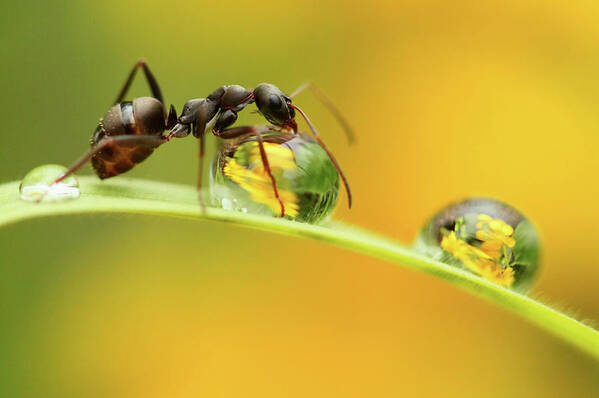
x=134 y=196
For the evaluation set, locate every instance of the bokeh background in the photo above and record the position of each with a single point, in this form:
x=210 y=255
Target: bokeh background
x=449 y=99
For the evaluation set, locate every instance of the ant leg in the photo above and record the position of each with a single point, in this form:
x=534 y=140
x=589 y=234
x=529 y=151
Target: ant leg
x=257 y=132
x=141 y=140
x=201 y=137
x=330 y=155
x=156 y=93
x=319 y=94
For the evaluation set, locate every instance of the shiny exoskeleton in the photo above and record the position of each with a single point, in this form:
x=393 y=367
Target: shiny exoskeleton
x=130 y=131
x=223 y=106
x=143 y=116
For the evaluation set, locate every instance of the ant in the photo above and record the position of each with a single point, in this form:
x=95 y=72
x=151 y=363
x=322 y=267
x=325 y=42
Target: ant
x=131 y=130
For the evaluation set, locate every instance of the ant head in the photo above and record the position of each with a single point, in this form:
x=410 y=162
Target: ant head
x=274 y=105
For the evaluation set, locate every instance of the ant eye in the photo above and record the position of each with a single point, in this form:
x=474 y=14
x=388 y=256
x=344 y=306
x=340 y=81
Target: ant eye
x=274 y=102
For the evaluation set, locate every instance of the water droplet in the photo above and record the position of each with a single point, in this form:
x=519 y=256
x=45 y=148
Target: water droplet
x=37 y=185
x=486 y=237
x=307 y=181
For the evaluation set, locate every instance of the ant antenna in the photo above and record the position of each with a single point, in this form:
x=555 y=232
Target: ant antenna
x=330 y=155
x=320 y=95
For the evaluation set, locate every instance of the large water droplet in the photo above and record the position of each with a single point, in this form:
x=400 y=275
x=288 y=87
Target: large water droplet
x=487 y=237
x=307 y=181
x=37 y=185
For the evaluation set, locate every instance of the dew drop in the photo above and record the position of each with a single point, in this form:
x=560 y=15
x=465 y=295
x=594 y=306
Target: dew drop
x=486 y=237
x=37 y=185
x=307 y=181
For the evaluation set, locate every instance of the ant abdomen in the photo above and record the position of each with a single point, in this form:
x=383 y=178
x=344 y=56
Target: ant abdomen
x=150 y=116
x=143 y=116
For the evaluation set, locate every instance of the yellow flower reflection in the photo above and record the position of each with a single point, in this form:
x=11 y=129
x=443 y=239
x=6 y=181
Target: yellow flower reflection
x=256 y=181
x=491 y=258
x=490 y=229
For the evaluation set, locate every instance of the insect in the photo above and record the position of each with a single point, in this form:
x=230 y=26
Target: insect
x=131 y=130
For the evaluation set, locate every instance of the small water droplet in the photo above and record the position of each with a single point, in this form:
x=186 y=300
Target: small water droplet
x=486 y=237
x=37 y=185
x=227 y=204
x=307 y=181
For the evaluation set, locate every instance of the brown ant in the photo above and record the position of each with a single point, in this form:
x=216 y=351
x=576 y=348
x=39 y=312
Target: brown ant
x=131 y=130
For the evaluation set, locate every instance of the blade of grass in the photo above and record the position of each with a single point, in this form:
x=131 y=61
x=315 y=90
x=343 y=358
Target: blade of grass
x=154 y=198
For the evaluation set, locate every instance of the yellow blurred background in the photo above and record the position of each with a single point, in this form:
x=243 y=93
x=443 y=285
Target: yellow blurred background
x=449 y=100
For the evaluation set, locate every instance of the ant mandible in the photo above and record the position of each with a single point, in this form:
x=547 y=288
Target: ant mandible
x=131 y=130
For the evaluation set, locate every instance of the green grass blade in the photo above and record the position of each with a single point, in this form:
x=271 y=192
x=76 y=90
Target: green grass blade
x=154 y=198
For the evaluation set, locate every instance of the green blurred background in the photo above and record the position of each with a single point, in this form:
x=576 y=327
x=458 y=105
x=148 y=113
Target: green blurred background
x=449 y=99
